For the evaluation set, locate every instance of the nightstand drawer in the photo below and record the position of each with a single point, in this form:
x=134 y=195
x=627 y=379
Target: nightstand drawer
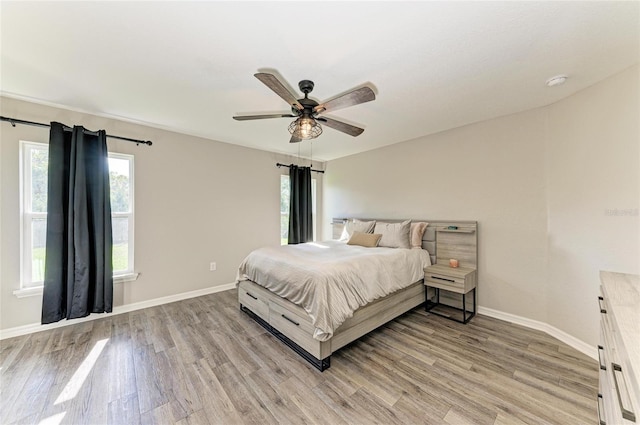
x=444 y=281
x=459 y=279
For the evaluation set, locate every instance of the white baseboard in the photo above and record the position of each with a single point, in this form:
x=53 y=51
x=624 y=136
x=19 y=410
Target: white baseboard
x=571 y=341
x=37 y=327
x=583 y=347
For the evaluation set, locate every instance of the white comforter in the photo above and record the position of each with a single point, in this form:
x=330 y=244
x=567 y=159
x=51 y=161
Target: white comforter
x=331 y=279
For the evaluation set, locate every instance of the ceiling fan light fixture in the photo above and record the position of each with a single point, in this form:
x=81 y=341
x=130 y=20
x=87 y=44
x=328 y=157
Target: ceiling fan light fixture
x=306 y=125
x=305 y=128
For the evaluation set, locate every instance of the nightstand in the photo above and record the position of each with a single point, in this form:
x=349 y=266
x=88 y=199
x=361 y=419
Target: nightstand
x=460 y=280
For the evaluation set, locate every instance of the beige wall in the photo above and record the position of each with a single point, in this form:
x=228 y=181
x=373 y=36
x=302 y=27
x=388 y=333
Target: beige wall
x=492 y=172
x=197 y=201
x=592 y=160
x=538 y=183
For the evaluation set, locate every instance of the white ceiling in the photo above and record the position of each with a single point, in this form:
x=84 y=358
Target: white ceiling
x=189 y=67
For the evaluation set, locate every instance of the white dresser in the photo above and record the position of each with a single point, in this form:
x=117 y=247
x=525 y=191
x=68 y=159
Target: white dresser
x=619 y=349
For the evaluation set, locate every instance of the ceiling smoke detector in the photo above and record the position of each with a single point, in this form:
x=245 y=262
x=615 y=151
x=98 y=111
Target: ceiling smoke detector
x=557 y=80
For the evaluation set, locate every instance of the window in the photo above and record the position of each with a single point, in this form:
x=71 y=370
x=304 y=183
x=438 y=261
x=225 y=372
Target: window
x=121 y=185
x=285 y=187
x=34 y=217
x=35 y=159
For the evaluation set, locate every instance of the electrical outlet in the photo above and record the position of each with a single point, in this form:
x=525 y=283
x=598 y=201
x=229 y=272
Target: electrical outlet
x=212 y=267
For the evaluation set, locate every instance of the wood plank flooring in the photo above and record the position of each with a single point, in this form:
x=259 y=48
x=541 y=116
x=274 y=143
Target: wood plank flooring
x=202 y=361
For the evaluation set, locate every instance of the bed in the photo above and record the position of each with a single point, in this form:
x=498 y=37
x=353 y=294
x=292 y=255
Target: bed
x=319 y=297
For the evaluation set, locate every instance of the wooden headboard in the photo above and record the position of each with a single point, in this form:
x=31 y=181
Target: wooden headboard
x=441 y=242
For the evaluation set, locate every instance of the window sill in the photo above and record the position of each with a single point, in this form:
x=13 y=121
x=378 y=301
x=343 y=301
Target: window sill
x=124 y=278
x=28 y=292
x=37 y=290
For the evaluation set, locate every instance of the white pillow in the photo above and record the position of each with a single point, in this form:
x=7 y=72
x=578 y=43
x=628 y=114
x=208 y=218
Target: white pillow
x=356 y=225
x=394 y=235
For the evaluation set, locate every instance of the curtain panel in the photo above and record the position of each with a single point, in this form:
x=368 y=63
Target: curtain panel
x=300 y=218
x=78 y=270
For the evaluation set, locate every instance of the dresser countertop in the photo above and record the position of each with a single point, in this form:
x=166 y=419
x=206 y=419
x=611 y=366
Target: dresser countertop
x=622 y=292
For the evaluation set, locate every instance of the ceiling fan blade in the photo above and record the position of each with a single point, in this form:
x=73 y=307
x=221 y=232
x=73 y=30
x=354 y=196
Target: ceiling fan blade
x=294 y=139
x=261 y=117
x=355 y=97
x=349 y=129
x=274 y=84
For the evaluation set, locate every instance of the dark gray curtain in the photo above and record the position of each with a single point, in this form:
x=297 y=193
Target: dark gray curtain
x=300 y=219
x=78 y=276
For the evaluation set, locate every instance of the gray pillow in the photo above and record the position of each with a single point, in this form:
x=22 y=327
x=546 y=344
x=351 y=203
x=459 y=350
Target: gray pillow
x=356 y=225
x=394 y=235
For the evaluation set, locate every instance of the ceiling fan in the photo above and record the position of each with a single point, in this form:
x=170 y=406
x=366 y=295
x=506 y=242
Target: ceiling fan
x=307 y=111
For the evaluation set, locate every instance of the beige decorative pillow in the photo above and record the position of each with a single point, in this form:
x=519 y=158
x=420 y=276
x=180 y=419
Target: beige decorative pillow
x=394 y=235
x=417 y=231
x=369 y=240
x=356 y=225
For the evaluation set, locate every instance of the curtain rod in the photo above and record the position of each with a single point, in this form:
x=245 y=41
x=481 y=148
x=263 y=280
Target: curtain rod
x=290 y=165
x=15 y=121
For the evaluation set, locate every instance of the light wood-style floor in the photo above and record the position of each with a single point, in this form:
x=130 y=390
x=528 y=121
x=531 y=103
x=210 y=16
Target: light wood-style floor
x=202 y=361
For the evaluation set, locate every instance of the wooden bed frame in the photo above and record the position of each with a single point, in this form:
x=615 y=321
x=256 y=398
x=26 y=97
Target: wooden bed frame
x=292 y=325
